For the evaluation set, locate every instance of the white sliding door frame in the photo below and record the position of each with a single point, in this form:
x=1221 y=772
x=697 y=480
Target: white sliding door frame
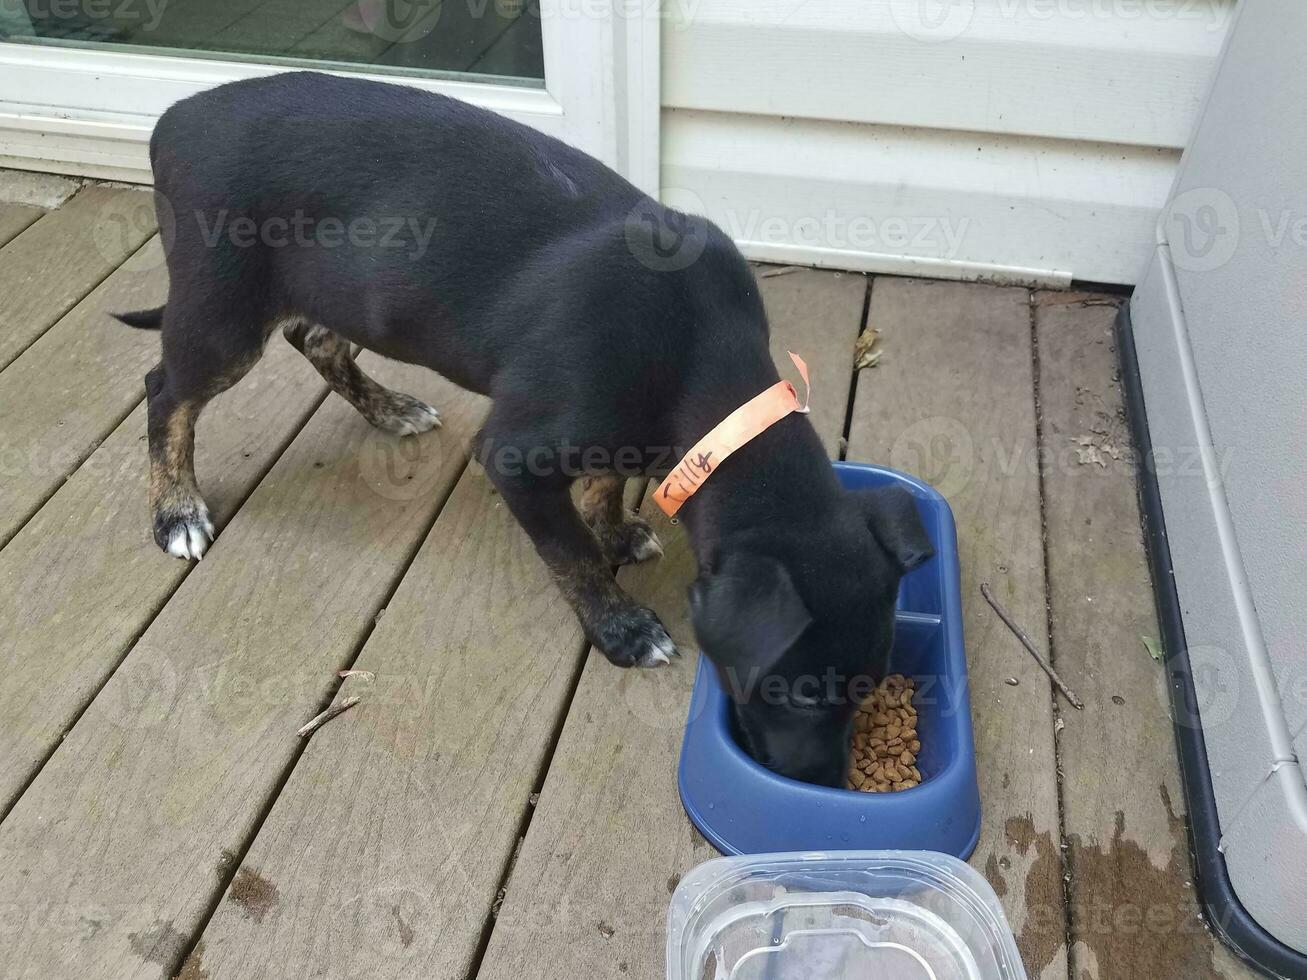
x=90 y=111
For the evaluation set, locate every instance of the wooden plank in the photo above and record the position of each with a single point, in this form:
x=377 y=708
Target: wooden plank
x=63 y=256
x=14 y=218
x=953 y=402
x=388 y=844
x=818 y=316
x=36 y=190
x=173 y=764
x=74 y=385
x=609 y=840
x=90 y=546
x=1133 y=909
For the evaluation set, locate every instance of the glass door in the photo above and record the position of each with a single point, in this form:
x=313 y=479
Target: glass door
x=82 y=81
x=500 y=39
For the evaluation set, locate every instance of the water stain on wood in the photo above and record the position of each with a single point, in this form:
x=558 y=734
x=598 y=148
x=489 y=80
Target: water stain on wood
x=160 y=943
x=405 y=928
x=227 y=859
x=1137 y=919
x=1044 y=930
x=253 y=893
x=994 y=876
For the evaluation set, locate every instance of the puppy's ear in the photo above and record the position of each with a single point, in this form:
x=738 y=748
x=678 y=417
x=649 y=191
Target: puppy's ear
x=896 y=525
x=747 y=613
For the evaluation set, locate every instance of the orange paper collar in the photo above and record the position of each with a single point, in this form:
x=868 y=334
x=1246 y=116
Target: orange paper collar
x=749 y=420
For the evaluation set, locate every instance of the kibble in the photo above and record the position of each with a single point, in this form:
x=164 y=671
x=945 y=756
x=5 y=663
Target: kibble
x=885 y=740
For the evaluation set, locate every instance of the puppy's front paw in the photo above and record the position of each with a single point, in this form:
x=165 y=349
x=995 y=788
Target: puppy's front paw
x=630 y=542
x=633 y=637
x=184 y=531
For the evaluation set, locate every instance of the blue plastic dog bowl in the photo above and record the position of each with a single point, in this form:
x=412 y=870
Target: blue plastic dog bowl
x=743 y=808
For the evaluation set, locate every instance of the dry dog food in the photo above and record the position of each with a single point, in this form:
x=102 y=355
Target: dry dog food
x=885 y=742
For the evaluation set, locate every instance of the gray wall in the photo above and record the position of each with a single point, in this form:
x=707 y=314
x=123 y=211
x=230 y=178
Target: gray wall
x=1221 y=330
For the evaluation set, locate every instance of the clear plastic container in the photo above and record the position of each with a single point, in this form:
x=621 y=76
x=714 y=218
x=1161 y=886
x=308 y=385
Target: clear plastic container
x=839 y=915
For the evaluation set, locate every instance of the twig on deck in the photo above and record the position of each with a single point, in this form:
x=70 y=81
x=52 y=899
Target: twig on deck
x=1030 y=647
x=316 y=722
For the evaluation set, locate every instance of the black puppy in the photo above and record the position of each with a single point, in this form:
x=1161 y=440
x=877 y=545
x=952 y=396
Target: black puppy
x=611 y=333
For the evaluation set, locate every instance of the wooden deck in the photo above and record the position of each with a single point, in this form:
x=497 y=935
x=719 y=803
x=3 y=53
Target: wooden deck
x=502 y=804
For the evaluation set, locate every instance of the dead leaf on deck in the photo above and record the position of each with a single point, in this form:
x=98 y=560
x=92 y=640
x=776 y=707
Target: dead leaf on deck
x=866 y=349
x=1153 y=647
x=1096 y=448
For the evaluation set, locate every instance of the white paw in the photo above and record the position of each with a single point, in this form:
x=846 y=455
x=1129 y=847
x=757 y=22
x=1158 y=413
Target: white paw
x=190 y=539
x=633 y=637
x=658 y=651
x=647 y=547
x=416 y=417
x=630 y=543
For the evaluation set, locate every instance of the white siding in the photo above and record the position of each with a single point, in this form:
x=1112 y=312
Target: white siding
x=1032 y=140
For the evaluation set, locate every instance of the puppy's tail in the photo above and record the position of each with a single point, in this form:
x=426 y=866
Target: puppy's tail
x=142 y=319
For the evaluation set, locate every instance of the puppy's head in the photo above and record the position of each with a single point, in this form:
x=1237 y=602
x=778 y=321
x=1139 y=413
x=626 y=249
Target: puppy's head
x=799 y=624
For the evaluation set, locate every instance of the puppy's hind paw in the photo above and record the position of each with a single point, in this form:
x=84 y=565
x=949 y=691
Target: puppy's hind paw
x=630 y=542
x=404 y=415
x=184 y=535
x=635 y=638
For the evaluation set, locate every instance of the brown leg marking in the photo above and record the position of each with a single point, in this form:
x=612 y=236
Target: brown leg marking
x=589 y=587
x=180 y=517
x=625 y=538
x=182 y=526
x=627 y=634
x=390 y=411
